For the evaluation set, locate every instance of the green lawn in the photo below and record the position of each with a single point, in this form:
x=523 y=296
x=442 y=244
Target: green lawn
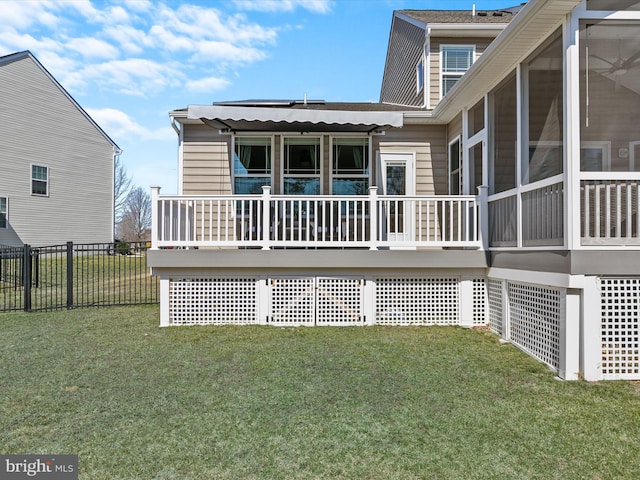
x=137 y=401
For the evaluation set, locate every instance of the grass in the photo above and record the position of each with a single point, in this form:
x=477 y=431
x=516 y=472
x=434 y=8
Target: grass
x=136 y=401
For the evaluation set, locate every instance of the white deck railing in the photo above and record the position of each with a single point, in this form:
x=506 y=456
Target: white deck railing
x=277 y=221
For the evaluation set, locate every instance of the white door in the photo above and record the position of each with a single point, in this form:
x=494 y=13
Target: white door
x=398 y=180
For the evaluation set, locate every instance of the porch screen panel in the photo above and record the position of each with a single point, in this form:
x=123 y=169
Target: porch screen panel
x=609 y=95
x=544 y=155
x=505 y=125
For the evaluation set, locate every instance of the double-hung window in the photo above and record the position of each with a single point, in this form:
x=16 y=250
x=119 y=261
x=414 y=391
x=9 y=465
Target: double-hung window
x=251 y=164
x=39 y=180
x=4 y=214
x=350 y=168
x=301 y=173
x=455 y=60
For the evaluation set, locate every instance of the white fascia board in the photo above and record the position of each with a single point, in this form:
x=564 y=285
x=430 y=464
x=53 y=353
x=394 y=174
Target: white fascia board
x=410 y=20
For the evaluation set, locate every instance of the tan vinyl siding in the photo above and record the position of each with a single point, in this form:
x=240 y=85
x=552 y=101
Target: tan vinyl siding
x=434 y=60
x=406 y=47
x=206 y=169
x=43 y=126
x=429 y=145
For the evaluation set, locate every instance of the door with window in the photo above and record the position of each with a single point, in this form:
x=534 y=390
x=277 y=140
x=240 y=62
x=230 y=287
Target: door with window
x=398 y=181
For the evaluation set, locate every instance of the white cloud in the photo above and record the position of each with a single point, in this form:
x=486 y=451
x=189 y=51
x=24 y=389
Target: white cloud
x=315 y=6
x=21 y=14
x=208 y=84
x=92 y=48
x=121 y=126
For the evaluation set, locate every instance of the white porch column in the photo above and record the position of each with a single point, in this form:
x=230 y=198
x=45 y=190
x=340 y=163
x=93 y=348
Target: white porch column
x=373 y=217
x=164 y=302
x=155 y=192
x=266 y=217
x=483 y=221
x=591 y=338
x=570 y=337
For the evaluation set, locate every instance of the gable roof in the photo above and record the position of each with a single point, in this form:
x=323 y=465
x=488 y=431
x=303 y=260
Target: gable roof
x=14 y=57
x=461 y=16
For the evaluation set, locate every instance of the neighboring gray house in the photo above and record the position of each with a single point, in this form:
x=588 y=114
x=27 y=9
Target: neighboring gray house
x=57 y=164
x=496 y=183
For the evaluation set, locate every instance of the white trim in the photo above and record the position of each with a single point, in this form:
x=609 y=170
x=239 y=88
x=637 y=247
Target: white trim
x=181 y=161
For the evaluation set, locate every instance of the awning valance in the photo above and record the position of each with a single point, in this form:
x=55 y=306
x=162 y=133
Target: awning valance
x=296 y=119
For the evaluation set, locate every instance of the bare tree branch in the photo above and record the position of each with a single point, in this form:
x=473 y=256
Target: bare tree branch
x=136 y=217
x=121 y=188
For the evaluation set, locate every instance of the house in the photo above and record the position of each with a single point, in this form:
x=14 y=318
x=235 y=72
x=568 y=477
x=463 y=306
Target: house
x=57 y=163
x=495 y=183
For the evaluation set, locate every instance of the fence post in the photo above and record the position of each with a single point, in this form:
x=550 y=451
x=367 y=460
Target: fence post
x=26 y=276
x=69 y=275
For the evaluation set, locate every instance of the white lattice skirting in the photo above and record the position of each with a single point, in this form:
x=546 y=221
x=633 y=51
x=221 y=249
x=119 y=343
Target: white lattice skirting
x=319 y=300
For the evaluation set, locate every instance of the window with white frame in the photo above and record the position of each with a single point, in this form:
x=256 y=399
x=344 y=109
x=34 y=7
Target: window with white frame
x=39 y=180
x=251 y=164
x=419 y=76
x=455 y=60
x=455 y=169
x=301 y=172
x=4 y=213
x=350 y=166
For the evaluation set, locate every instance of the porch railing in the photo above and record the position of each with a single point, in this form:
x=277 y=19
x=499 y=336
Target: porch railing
x=610 y=212
x=276 y=221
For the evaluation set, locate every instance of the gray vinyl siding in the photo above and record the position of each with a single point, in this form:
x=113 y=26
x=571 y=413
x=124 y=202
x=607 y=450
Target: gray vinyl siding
x=205 y=157
x=406 y=47
x=42 y=126
x=435 y=93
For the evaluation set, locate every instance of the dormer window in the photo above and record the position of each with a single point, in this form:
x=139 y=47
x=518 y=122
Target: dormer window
x=455 y=61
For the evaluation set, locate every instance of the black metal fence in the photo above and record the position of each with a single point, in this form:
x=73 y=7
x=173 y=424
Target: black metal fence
x=75 y=275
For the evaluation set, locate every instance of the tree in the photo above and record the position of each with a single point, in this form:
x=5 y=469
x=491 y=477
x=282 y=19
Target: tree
x=121 y=189
x=136 y=216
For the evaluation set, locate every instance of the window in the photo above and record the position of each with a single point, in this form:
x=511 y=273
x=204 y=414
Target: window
x=4 y=215
x=595 y=156
x=301 y=166
x=420 y=76
x=251 y=164
x=455 y=61
x=350 y=169
x=455 y=171
x=39 y=180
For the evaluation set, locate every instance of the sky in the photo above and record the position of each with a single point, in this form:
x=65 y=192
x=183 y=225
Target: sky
x=128 y=63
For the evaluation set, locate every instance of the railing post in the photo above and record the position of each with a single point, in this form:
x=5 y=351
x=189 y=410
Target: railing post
x=373 y=217
x=155 y=192
x=69 y=275
x=483 y=220
x=266 y=216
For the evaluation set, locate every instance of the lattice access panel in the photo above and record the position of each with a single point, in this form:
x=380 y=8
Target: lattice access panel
x=494 y=293
x=620 y=329
x=417 y=301
x=316 y=301
x=536 y=314
x=212 y=301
